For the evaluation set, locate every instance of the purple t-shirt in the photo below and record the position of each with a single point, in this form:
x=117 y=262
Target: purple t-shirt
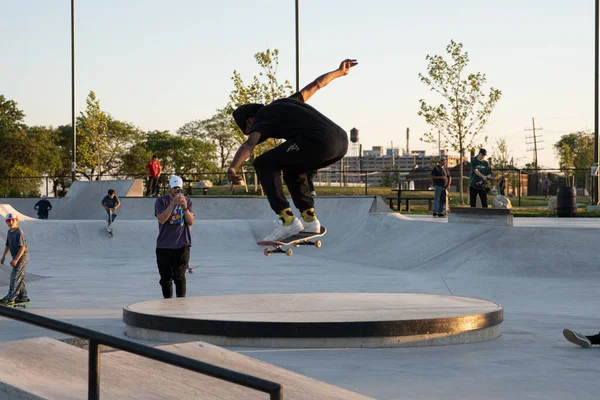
x=175 y=233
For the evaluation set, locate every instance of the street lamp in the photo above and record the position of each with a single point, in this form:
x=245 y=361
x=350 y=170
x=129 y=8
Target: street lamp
x=73 y=127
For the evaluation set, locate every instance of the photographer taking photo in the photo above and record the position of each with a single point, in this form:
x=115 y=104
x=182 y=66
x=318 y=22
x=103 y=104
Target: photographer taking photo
x=175 y=219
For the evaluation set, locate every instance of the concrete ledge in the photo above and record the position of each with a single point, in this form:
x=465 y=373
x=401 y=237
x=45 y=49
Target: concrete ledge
x=317 y=320
x=45 y=368
x=480 y=216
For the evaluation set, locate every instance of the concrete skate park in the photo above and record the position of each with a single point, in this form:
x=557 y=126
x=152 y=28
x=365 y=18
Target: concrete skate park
x=390 y=307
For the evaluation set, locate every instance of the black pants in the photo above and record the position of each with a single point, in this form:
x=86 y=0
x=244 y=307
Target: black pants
x=172 y=265
x=152 y=188
x=297 y=157
x=482 y=195
x=310 y=176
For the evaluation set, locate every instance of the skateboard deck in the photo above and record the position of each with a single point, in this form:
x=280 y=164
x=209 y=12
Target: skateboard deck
x=301 y=239
x=16 y=305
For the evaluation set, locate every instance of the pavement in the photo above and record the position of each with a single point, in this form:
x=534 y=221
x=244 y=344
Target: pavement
x=543 y=271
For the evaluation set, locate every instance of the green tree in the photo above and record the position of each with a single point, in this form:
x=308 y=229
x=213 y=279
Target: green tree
x=576 y=151
x=102 y=141
x=501 y=156
x=135 y=159
x=390 y=176
x=92 y=141
x=183 y=156
x=220 y=130
x=11 y=117
x=264 y=89
x=464 y=109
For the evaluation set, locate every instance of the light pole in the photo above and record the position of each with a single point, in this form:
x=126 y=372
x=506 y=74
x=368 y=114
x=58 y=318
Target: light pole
x=74 y=128
x=298 y=48
x=596 y=190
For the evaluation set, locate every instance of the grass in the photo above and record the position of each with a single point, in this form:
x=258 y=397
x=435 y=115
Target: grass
x=531 y=206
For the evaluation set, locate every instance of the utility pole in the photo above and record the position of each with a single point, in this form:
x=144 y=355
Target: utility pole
x=534 y=142
x=535 y=152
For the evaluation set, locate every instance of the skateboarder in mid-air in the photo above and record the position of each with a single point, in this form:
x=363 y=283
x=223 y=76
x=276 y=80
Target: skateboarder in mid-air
x=312 y=141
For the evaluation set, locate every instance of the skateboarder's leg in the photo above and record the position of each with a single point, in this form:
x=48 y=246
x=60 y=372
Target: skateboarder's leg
x=164 y=262
x=268 y=166
x=180 y=266
x=297 y=184
x=17 y=282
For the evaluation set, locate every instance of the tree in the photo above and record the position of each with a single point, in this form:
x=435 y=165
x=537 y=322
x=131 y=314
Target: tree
x=390 y=176
x=220 y=130
x=465 y=108
x=576 y=150
x=102 y=140
x=92 y=142
x=183 y=156
x=264 y=89
x=11 y=118
x=501 y=156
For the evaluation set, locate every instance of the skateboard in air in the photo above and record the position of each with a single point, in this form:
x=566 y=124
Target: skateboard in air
x=301 y=239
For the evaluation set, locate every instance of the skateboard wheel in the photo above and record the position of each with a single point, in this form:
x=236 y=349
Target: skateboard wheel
x=288 y=252
x=267 y=252
x=318 y=244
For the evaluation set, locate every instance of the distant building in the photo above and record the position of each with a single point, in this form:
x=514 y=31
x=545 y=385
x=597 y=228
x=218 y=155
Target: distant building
x=379 y=158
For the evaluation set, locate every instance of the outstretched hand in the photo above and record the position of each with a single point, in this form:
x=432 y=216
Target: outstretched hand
x=346 y=65
x=233 y=178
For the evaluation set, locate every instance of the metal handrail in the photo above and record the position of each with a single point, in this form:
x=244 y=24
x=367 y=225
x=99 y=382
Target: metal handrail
x=97 y=338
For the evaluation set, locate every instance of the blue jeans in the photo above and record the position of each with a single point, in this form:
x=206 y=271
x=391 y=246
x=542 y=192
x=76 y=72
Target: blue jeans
x=17 y=289
x=439 y=199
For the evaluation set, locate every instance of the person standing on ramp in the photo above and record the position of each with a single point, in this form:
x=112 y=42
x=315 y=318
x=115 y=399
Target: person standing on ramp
x=312 y=141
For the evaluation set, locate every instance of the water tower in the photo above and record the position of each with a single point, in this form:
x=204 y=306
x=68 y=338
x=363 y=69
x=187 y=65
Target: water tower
x=355 y=146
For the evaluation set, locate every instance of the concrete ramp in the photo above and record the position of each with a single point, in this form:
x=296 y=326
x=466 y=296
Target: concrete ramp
x=49 y=369
x=8 y=209
x=83 y=190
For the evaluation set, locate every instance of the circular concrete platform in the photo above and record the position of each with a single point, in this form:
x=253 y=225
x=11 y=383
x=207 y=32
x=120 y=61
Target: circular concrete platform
x=331 y=320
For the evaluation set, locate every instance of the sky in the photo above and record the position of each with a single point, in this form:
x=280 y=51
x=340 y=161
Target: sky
x=159 y=65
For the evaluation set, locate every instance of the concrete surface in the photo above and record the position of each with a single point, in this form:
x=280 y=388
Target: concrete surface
x=317 y=320
x=480 y=216
x=543 y=271
x=56 y=370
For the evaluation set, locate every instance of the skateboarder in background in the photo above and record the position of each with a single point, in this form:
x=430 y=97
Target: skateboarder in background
x=441 y=183
x=16 y=243
x=111 y=202
x=481 y=172
x=312 y=141
x=175 y=219
x=42 y=207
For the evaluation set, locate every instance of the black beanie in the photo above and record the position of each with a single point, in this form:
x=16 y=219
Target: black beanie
x=244 y=112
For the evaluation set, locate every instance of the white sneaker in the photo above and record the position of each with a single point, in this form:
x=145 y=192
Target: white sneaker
x=577 y=338
x=311 y=227
x=282 y=231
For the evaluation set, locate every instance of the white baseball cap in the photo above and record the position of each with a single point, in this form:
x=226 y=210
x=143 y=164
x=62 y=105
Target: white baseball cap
x=11 y=216
x=175 y=181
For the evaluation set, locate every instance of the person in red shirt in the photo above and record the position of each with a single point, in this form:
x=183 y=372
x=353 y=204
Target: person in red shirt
x=153 y=170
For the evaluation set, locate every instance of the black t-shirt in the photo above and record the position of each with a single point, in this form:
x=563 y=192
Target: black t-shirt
x=43 y=206
x=291 y=117
x=439 y=171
